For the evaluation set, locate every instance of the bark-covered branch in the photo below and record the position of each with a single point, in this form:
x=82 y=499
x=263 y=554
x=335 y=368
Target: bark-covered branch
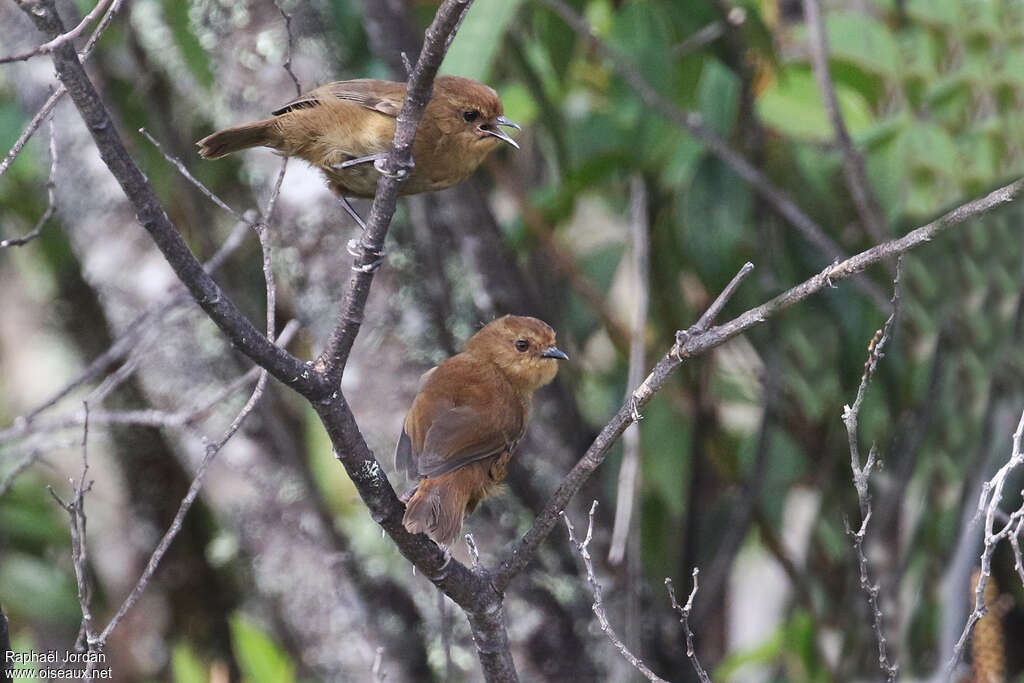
x=151 y=215
x=699 y=339
x=394 y=171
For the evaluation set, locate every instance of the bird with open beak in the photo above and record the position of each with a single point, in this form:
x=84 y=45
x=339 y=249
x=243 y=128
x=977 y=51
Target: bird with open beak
x=343 y=128
x=468 y=418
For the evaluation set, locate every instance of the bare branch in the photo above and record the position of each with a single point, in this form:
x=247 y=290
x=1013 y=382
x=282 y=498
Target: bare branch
x=871 y=216
x=693 y=123
x=694 y=342
x=598 y=606
x=696 y=41
x=60 y=40
x=51 y=199
x=629 y=470
x=80 y=551
x=991 y=496
x=291 y=47
x=153 y=218
x=684 y=619
x=394 y=168
x=52 y=101
x=183 y=170
x=212 y=449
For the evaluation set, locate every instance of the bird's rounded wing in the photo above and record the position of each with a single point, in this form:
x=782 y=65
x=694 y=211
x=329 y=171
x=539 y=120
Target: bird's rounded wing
x=384 y=97
x=462 y=435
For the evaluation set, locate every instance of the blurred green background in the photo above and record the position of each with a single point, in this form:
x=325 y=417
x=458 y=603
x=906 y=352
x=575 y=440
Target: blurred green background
x=745 y=468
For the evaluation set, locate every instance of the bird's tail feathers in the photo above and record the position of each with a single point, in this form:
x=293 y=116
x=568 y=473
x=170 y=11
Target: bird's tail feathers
x=224 y=142
x=436 y=509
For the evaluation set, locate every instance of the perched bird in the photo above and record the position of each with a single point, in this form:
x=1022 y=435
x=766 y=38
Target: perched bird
x=467 y=419
x=343 y=128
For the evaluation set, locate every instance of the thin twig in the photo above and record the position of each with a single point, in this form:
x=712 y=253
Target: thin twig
x=183 y=170
x=51 y=199
x=52 y=45
x=854 y=170
x=696 y=41
x=152 y=216
x=629 y=471
x=394 y=169
x=61 y=90
x=598 y=605
x=684 y=619
x=861 y=476
x=991 y=497
x=75 y=508
x=291 y=47
x=693 y=342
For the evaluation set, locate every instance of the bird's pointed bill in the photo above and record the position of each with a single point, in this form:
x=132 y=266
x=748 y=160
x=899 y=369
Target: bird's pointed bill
x=502 y=121
x=554 y=352
x=500 y=134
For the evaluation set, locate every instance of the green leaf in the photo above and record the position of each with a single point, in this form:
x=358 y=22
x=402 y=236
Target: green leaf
x=478 y=39
x=719 y=94
x=862 y=40
x=792 y=105
x=715 y=215
x=188 y=668
x=519 y=104
x=260 y=658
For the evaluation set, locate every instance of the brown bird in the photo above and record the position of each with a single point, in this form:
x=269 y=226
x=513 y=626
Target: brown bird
x=343 y=128
x=467 y=419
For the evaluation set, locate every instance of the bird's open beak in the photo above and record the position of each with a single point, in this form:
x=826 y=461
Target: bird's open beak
x=554 y=352
x=502 y=121
x=492 y=129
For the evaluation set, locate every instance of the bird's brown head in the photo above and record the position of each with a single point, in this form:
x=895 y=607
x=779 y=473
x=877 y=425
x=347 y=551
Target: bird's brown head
x=471 y=112
x=522 y=347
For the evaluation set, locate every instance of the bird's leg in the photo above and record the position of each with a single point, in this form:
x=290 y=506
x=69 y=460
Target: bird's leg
x=351 y=211
x=359 y=160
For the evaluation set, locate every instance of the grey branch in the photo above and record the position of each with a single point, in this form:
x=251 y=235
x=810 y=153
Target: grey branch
x=75 y=507
x=630 y=468
x=598 y=605
x=854 y=171
x=394 y=168
x=988 y=503
x=53 y=99
x=51 y=199
x=700 y=339
x=861 y=476
x=56 y=42
x=684 y=619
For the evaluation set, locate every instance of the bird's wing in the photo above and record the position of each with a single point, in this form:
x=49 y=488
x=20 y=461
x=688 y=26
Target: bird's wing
x=384 y=97
x=462 y=435
x=404 y=460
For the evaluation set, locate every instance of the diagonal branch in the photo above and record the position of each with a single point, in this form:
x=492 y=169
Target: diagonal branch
x=55 y=97
x=62 y=39
x=871 y=216
x=699 y=340
x=151 y=215
x=394 y=170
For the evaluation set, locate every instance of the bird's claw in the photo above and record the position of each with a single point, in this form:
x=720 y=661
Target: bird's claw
x=357 y=249
x=399 y=174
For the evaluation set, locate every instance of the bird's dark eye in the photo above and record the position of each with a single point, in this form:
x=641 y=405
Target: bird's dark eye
x=470 y=116
x=522 y=345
